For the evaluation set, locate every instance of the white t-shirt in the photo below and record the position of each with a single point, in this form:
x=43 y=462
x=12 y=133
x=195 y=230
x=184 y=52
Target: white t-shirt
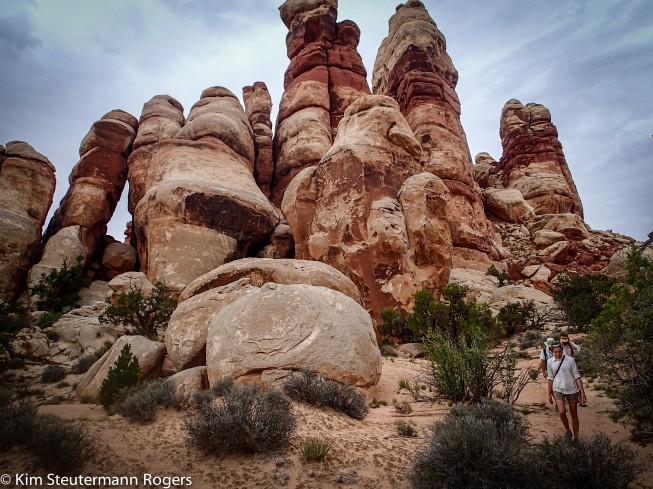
x=565 y=380
x=545 y=353
x=566 y=349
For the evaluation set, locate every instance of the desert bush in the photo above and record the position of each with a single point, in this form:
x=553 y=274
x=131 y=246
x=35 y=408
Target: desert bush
x=314 y=449
x=203 y=397
x=502 y=277
x=586 y=463
x=60 y=445
x=16 y=422
x=146 y=314
x=123 y=374
x=517 y=316
x=248 y=419
x=47 y=319
x=314 y=389
x=619 y=346
x=388 y=350
x=223 y=385
x=393 y=323
x=581 y=298
x=53 y=373
x=14 y=316
x=529 y=339
x=84 y=363
x=475 y=446
x=59 y=288
x=139 y=403
x=405 y=429
x=403 y=407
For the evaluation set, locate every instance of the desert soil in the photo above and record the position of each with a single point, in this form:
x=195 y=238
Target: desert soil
x=364 y=454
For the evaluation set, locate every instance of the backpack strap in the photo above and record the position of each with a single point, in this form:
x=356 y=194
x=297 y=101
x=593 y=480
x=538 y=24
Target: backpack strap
x=559 y=366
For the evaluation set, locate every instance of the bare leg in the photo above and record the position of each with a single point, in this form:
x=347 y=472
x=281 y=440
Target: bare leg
x=573 y=412
x=560 y=403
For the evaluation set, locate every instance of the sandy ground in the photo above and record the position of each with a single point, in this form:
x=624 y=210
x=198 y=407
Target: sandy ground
x=365 y=454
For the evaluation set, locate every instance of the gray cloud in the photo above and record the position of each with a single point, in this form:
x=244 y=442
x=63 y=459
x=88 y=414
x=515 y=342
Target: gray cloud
x=16 y=36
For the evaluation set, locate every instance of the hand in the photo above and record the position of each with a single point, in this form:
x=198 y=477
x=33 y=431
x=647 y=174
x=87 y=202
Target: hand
x=550 y=398
x=583 y=398
x=544 y=375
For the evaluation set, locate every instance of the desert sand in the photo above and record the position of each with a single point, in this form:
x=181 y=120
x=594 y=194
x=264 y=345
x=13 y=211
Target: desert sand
x=365 y=454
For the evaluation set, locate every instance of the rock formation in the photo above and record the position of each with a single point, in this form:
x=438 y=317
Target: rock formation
x=533 y=161
x=412 y=66
x=96 y=183
x=368 y=211
x=207 y=295
x=325 y=75
x=258 y=106
x=199 y=204
x=279 y=329
x=27 y=185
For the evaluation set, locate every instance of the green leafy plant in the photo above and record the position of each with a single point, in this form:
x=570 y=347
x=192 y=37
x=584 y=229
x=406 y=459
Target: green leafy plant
x=619 y=346
x=517 y=317
x=314 y=449
x=14 y=316
x=16 y=421
x=59 y=288
x=47 y=319
x=87 y=361
x=393 y=323
x=581 y=298
x=146 y=314
x=123 y=374
x=502 y=277
x=314 y=389
x=247 y=419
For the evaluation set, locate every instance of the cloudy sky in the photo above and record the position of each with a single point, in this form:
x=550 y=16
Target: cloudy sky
x=65 y=63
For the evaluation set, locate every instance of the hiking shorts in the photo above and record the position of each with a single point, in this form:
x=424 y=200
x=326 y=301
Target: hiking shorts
x=571 y=398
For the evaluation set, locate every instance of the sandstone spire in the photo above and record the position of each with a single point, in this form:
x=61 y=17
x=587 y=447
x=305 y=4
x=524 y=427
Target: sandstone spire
x=412 y=65
x=27 y=185
x=325 y=75
x=533 y=161
x=258 y=106
x=198 y=204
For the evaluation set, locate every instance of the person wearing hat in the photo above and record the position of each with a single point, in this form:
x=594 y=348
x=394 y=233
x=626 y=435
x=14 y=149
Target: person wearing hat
x=565 y=384
x=545 y=354
x=569 y=347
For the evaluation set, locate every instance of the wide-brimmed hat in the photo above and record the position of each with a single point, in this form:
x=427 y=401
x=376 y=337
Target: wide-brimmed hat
x=549 y=342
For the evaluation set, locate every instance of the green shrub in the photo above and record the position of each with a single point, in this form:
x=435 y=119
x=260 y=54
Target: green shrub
x=146 y=314
x=314 y=389
x=200 y=398
x=53 y=373
x=393 y=323
x=139 y=403
x=501 y=276
x=478 y=446
x=403 y=407
x=123 y=374
x=84 y=363
x=581 y=297
x=60 y=445
x=59 y=288
x=248 y=419
x=583 y=463
x=405 y=429
x=314 y=449
x=14 y=316
x=16 y=423
x=223 y=385
x=517 y=316
x=47 y=319
x=619 y=346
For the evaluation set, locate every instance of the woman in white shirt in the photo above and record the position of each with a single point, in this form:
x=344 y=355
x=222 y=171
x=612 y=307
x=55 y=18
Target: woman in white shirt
x=565 y=384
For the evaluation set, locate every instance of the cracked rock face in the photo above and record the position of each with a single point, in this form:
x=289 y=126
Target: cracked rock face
x=283 y=328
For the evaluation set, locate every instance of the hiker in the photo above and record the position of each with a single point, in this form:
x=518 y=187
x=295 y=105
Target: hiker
x=545 y=354
x=569 y=347
x=565 y=384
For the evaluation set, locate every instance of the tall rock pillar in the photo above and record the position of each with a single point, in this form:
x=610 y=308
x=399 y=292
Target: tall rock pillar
x=325 y=75
x=412 y=66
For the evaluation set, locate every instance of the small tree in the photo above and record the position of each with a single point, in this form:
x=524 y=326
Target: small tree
x=393 y=323
x=620 y=345
x=13 y=317
x=517 y=317
x=147 y=314
x=502 y=277
x=124 y=373
x=581 y=297
x=59 y=288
